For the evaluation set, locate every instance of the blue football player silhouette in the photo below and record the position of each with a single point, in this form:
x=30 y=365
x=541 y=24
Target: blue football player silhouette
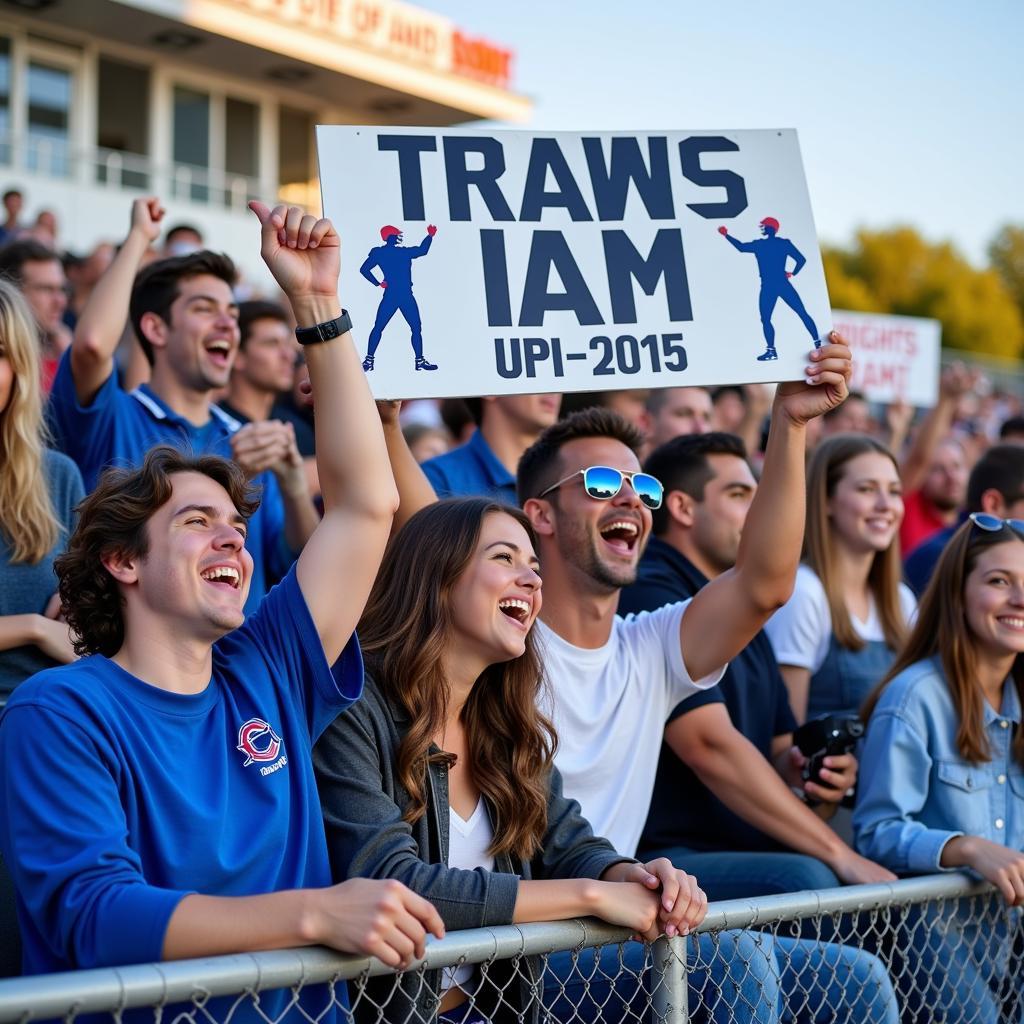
x=771 y=253
x=394 y=261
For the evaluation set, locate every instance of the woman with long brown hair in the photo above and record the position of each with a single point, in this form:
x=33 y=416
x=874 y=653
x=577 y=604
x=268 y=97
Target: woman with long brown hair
x=838 y=633
x=942 y=769
x=39 y=489
x=442 y=775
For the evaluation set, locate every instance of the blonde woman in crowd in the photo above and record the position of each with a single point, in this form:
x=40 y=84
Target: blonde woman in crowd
x=39 y=489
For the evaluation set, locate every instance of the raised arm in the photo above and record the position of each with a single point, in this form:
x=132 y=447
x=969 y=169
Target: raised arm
x=358 y=490
x=955 y=382
x=726 y=614
x=103 y=320
x=735 y=242
x=424 y=247
x=414 y=489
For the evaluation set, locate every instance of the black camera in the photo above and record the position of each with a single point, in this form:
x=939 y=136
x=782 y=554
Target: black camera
x=826 y=737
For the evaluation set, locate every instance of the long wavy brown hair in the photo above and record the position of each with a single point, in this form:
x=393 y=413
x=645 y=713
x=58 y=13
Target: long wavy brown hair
x=942 y=629
x=405 y=630
x=823 y=475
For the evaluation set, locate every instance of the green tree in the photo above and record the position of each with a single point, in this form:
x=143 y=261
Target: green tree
x=1006 y=252
x=896 y=270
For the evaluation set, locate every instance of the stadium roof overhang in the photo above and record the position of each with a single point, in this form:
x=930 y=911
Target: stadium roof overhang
x=386 y=61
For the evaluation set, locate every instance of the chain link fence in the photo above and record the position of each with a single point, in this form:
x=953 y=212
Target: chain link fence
x=936 y=949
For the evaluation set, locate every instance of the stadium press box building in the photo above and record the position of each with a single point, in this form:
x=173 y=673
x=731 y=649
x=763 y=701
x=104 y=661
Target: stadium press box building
x=208 y=103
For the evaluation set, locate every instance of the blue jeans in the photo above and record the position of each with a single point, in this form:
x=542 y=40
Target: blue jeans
x=737 y=875
x=736 y=977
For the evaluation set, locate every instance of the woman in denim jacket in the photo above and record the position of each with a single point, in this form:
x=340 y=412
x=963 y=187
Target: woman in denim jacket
x=942 y=767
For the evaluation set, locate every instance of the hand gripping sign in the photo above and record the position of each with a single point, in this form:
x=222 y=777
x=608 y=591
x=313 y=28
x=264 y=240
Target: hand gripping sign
x=482 y=263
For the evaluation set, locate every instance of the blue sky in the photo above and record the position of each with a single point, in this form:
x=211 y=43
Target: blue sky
x=908 y=111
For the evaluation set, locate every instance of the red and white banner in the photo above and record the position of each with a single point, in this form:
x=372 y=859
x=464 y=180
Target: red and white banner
x=893 y=356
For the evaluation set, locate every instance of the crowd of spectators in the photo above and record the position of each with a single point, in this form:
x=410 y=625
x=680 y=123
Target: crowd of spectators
x=591 y=630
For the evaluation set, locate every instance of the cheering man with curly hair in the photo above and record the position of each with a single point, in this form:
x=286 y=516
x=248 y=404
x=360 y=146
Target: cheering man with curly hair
x=158 y=799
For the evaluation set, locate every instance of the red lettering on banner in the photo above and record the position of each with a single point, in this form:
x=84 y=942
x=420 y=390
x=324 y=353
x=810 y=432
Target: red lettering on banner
x=901 y=341
x=883 y=375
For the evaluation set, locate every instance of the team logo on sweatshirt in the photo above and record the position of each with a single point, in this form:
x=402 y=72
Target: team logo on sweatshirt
x=258 y=741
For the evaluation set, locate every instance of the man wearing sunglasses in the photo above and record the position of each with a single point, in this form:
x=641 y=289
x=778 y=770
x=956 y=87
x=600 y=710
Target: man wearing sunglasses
x=614 y=682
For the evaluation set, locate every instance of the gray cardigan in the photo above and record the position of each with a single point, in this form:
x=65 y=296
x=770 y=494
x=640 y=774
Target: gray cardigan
x=363 y=802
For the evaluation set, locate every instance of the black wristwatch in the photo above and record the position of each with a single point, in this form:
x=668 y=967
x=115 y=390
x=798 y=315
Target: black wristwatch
x=324 y=332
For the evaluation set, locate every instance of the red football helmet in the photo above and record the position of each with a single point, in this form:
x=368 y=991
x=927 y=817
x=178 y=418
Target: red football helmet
x=770 y=222
x=388 y=230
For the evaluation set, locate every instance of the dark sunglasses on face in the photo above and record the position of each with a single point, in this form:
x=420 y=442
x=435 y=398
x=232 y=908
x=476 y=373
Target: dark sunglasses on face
x=993 y=524
x=604 y=482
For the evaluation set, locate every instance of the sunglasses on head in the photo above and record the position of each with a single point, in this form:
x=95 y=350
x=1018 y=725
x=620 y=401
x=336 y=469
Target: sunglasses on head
x=604 y=482
x=993 y=524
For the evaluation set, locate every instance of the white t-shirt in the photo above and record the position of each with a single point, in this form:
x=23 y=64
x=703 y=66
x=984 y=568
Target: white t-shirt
x=800 y=631
x=467 y=848
x=609 y=706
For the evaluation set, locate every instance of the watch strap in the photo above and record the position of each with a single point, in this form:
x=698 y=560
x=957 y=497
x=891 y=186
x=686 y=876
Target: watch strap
x=325 y=331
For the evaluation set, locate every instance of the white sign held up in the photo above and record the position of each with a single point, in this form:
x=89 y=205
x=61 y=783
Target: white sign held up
x=894 y=357
x=479 y=263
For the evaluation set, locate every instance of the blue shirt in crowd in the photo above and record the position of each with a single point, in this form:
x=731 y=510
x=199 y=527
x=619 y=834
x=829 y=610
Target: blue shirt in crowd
x=920 y=564
x=119 y=798
x=684 y=812
x=470 y=469
x=916 y=791
x=119 y=427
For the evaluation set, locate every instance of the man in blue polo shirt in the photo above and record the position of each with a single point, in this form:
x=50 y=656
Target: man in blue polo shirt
x=506 y=426
x=157 y=798
x=184 y=314
x=720 y=810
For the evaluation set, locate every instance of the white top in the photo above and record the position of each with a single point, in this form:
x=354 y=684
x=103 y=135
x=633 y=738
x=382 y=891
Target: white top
x=609 y=706
x=467 y=848
x=801 y=629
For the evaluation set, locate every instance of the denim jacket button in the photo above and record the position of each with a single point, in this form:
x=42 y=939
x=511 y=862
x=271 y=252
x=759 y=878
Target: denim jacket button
x=1001 y=779
x=1003 y=723
x=999 y=822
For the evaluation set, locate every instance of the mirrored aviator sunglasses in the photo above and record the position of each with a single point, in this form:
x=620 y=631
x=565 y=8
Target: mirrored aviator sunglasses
x=603 y=483
x=993 y=524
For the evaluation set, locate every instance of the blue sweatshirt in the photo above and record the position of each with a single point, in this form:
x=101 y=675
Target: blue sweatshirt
x=117 y=798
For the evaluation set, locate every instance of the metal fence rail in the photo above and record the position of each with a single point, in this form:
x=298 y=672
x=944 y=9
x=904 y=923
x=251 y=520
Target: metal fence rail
x=938 y=948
